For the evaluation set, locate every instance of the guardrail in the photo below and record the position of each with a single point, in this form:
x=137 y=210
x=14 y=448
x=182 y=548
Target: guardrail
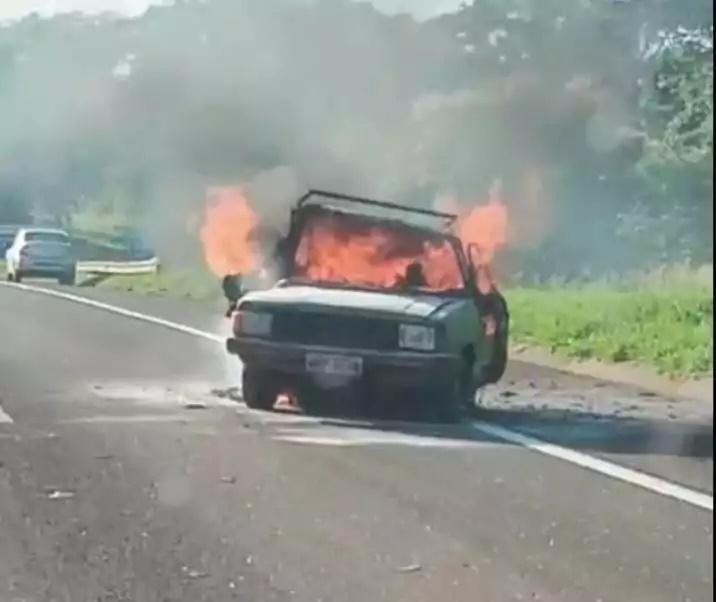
x=148 y=266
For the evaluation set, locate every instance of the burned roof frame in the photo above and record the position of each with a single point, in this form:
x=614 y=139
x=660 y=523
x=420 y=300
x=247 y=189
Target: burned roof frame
x=448 y=218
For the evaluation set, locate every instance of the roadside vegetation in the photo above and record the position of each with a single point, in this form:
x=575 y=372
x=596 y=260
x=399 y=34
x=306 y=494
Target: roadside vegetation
x=195 y=285
x=663 y=320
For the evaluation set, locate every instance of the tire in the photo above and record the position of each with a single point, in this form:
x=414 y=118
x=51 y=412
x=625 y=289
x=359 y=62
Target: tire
x=258 y=391
x=498 y=363
x=68 y=278
x=444 y=404
x=495 y=370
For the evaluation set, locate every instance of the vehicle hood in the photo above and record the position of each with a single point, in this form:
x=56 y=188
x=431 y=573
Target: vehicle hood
x=354 y=301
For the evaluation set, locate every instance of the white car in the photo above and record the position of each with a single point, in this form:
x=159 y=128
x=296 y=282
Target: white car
x=41 y=252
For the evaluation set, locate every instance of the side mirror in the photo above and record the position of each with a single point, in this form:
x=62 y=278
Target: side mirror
x=231 y=286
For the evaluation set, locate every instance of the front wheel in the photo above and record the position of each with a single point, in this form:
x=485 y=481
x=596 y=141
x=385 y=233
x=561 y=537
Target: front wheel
x=257 y=389
x=444 y=404
x=495 y=370
x=498 y=363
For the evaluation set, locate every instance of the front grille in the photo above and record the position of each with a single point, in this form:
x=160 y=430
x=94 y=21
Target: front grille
x=332 y=330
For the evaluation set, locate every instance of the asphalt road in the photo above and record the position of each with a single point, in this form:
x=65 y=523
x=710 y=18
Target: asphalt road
x=128 y=472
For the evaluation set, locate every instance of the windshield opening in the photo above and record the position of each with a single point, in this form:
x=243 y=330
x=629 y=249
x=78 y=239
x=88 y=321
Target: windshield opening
x=346 y=250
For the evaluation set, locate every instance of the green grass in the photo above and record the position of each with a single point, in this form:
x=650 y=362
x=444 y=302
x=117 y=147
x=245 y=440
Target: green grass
x=666 y=327
x=188 y=285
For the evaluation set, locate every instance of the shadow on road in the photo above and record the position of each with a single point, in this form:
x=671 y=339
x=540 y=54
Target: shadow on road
x=608 y=433
x=587 y=432
x=580 y=430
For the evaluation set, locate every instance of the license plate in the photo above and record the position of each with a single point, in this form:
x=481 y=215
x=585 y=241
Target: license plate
x=343 y=365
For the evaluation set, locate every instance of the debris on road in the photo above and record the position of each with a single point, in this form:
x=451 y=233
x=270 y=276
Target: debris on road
x=56 y=494
x=194 y=406
x=410 y=568
x=232 y=393
x=193 y=574
x=197 y=575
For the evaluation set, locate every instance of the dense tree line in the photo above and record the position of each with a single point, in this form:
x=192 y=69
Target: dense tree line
x=597 y=116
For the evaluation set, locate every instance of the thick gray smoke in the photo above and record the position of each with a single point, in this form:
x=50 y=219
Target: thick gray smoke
x=141 y=116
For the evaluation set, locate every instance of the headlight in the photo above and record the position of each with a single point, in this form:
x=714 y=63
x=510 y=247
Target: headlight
x=413 y=336
x=252 y=324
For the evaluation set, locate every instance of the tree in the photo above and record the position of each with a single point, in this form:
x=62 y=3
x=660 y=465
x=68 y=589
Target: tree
x=676 y=207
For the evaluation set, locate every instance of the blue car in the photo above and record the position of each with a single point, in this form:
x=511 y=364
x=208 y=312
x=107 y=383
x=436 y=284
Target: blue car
x=7 y=235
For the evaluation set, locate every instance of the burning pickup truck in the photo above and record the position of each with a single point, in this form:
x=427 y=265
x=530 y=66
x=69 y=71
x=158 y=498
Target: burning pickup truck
x=385 y=307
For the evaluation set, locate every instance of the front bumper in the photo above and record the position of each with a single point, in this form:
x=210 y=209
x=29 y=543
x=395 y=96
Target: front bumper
x=392 y=368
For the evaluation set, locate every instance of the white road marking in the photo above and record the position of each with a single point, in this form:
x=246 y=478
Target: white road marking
x=615 y=471
x=346 y=436
x=129 y=419
x=315 y=440
x=5 y=418
x=135 y=315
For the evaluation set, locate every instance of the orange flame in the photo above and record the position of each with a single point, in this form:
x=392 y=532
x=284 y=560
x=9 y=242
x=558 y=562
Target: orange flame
x=332 y=250
x=484 y=228
x=341 y=251
x=287 y=401
x=483 y=231
x=226 y=232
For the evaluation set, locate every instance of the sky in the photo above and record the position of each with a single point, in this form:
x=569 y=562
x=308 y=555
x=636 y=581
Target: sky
x=15 y=9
